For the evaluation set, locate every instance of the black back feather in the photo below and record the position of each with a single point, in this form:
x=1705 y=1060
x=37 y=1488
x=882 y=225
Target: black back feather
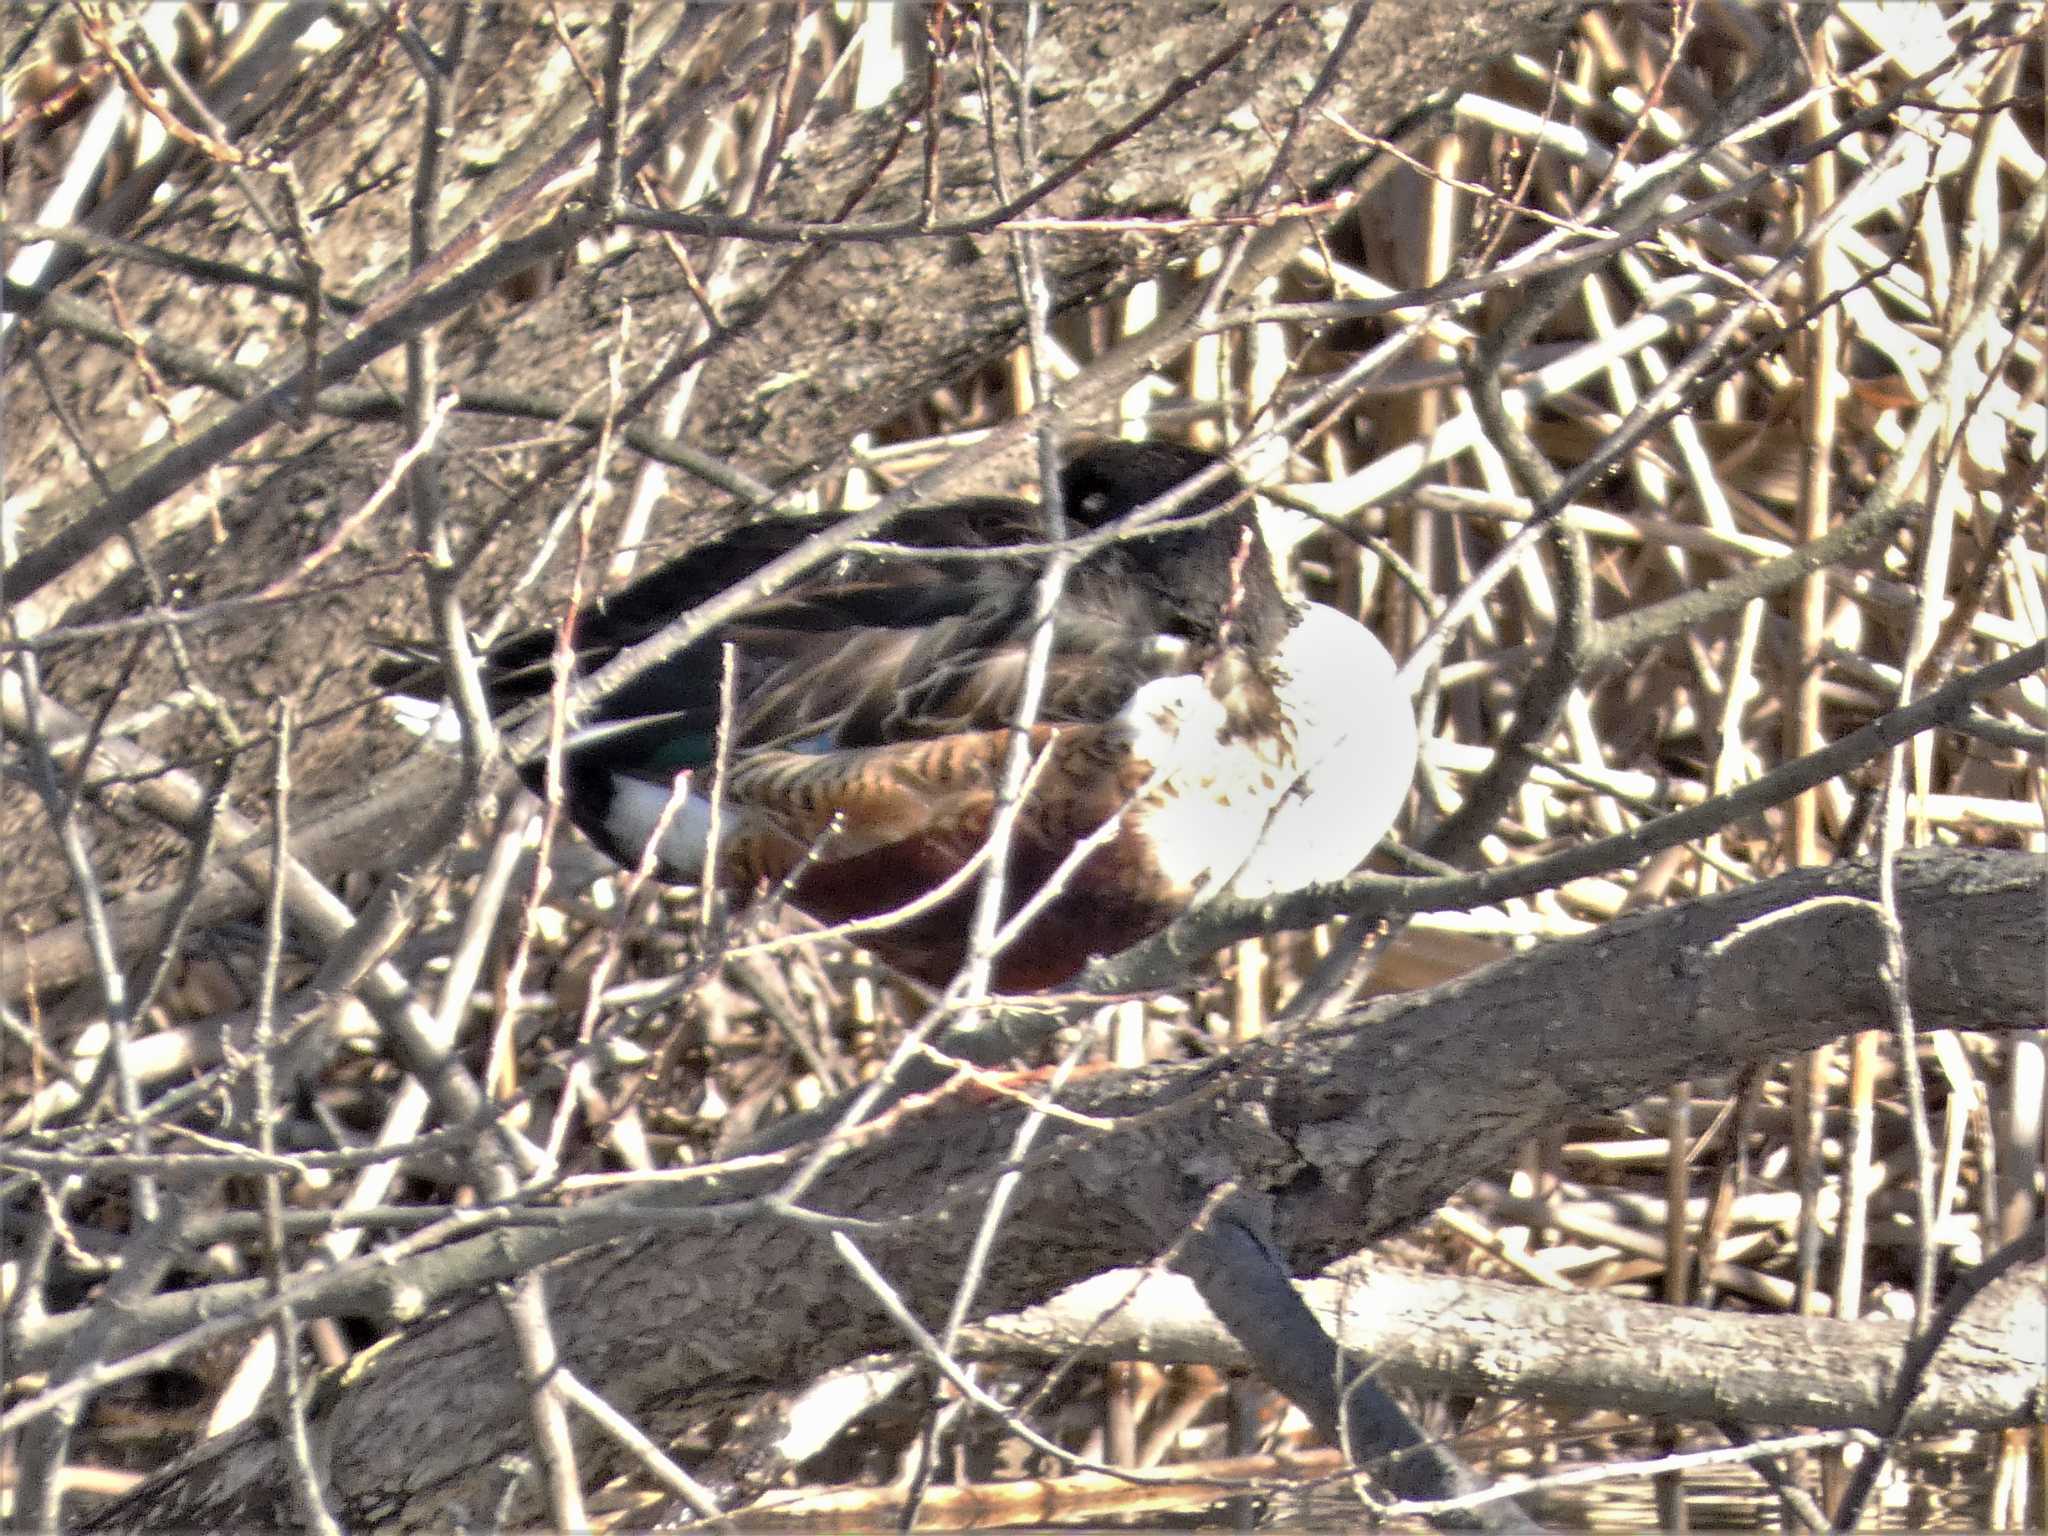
x=946 y=623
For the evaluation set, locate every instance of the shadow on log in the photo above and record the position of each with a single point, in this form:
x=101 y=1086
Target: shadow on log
x=1346 y=1133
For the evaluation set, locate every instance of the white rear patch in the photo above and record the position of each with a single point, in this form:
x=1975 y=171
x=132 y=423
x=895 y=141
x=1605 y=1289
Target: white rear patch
x=434 y=719
x=636 y=810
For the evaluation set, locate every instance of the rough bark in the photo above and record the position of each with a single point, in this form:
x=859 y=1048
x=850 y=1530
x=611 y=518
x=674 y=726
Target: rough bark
x=1349 y=1132
x=1441 y=1333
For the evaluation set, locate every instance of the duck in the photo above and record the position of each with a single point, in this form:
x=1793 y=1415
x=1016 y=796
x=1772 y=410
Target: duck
x=1199 y=731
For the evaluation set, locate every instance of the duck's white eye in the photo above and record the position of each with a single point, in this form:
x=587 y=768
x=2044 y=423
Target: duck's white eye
x=1170 y=650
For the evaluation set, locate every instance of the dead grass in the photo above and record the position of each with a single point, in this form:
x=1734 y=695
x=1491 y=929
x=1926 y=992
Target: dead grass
x=1798 y=1190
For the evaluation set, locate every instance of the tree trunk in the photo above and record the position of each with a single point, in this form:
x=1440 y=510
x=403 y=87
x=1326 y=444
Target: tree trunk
x=1347 y=1132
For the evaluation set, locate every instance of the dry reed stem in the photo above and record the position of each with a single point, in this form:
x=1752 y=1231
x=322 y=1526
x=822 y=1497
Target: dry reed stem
x=1798 y=1189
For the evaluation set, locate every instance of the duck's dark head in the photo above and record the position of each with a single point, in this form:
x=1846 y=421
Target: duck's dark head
x=1205 y=578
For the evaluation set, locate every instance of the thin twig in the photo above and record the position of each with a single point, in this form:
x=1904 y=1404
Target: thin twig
x=291 y=1405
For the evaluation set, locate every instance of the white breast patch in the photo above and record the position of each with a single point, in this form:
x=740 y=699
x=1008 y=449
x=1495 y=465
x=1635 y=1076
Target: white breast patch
x=1261 y=817
x=1355 y=747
